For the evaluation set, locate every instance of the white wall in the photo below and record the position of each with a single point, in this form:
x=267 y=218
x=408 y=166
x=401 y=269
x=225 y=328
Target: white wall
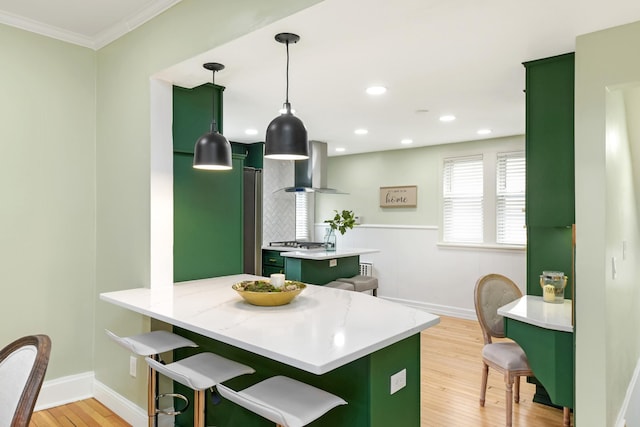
x=607 y=333
x=412 y=269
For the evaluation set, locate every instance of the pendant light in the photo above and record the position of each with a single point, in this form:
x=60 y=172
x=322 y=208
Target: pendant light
x=286 y=137
x=212 y=150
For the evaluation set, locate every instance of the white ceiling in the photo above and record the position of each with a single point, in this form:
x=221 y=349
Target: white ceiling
x=460 y=57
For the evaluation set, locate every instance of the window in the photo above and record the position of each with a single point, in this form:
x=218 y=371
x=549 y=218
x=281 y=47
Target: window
x=463 y=219
x=304 y=217
x=510 y=198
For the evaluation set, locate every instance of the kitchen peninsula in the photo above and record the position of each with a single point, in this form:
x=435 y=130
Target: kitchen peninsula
x=344 y=342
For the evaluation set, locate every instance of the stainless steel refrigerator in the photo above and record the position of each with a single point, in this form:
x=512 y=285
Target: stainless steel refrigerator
x=252 y=219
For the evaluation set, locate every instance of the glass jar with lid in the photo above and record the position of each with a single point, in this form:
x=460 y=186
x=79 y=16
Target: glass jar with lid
x=553 y=284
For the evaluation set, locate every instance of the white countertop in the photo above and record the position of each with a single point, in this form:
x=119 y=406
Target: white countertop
x=320 y=254
x=320 y=330
x=533 y=310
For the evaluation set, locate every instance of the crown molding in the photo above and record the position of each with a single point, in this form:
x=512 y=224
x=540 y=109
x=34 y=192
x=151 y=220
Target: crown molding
x=45 y=29
x=132 y=22
x=101 y=39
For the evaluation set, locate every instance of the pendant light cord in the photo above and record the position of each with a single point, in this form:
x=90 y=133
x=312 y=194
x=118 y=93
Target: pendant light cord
x=214 y=125
x=287 y=94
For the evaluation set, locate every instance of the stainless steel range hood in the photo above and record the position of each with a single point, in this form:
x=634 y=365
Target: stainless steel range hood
x=311 y=174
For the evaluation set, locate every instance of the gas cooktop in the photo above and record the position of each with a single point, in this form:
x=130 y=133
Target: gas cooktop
x=298 y=244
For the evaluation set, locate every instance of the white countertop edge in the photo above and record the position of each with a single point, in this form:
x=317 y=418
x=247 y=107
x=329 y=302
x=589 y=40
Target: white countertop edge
x=322 y=254
x=534 y=311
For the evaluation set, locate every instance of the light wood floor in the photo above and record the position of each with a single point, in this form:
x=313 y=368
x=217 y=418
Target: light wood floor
x=451 y=368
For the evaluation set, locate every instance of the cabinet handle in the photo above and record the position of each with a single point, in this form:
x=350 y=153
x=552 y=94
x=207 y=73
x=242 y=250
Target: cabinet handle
x=272 y=260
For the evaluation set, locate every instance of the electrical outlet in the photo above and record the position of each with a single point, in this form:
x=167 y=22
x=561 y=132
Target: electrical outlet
x=133 y=365
x=398 y=381
x=333 y=263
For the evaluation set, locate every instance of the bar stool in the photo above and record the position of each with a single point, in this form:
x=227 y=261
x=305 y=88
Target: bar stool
x=362 y=283
x=151 y=344
x=285 y=401
x=200 y=372
x=340 y=285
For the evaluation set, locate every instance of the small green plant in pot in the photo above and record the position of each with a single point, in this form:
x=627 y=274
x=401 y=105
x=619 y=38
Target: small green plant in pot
x=341 y=221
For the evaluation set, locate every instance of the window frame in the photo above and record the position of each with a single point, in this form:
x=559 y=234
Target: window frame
x=489 y=153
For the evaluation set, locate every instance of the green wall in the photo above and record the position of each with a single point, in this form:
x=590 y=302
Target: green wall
x=47 y=183
x=607 y=164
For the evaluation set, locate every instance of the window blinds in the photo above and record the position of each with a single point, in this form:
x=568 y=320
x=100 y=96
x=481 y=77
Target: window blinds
x=510 y=199
x=462 y=199
x=302 y=217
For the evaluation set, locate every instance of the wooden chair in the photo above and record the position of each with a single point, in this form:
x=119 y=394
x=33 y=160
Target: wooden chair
x=23 y=364
x=492 y=292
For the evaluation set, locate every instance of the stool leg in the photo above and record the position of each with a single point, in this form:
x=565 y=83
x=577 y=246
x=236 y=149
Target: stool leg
x=198 y=409
x=152 y=392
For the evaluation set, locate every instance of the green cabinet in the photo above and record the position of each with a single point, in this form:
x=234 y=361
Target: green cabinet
x=207 y=220
x=321 y=271
x=549 y=141
x=550 y=205
x=272 y=262
x=208 y=205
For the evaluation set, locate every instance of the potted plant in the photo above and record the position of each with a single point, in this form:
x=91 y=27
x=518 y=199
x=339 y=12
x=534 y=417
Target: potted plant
x=341 y=221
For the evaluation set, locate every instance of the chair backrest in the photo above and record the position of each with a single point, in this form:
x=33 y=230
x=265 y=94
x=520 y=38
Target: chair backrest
x=23 y=364
x=492 y=292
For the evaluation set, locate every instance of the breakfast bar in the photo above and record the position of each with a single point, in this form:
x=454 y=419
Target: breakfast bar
x=347 y=343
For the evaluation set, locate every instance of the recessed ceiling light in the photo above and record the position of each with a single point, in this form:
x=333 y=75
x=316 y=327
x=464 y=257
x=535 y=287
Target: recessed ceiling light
x=340 y=149
x=376 y=90
x=406 y=141
x=447 y=118
x=484 y=131
x=251 y=131
x=361 y=131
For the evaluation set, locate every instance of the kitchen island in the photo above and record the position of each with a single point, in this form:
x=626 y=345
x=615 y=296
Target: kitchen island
x=344 y=342
x=321 y=267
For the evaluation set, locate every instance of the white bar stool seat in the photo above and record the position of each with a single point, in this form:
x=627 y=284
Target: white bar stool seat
x=200 y=372
x=285 y=401
x=152 y=344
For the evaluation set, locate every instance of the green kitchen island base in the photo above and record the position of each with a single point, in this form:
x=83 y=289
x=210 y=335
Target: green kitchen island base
x=364 y=384
x=322 y=267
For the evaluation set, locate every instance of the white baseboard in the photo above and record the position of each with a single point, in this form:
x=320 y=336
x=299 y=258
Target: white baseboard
x=443 y=310
x=127 y=410
x=629 y=414
x=65 y=390
x=84 y=386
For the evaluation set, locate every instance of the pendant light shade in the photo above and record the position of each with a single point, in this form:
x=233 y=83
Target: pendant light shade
x=212 y=150
x=286 y=137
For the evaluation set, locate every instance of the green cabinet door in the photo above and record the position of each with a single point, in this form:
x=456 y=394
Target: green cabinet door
x=549 y=141
x=192 y=114
x=207 y=222
x=208 y=236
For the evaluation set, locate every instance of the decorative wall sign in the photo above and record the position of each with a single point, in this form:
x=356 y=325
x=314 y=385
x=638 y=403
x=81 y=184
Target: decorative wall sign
x=399 y=197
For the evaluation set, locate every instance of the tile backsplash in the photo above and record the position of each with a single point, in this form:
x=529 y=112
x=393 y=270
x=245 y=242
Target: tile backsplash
x=278 y=209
